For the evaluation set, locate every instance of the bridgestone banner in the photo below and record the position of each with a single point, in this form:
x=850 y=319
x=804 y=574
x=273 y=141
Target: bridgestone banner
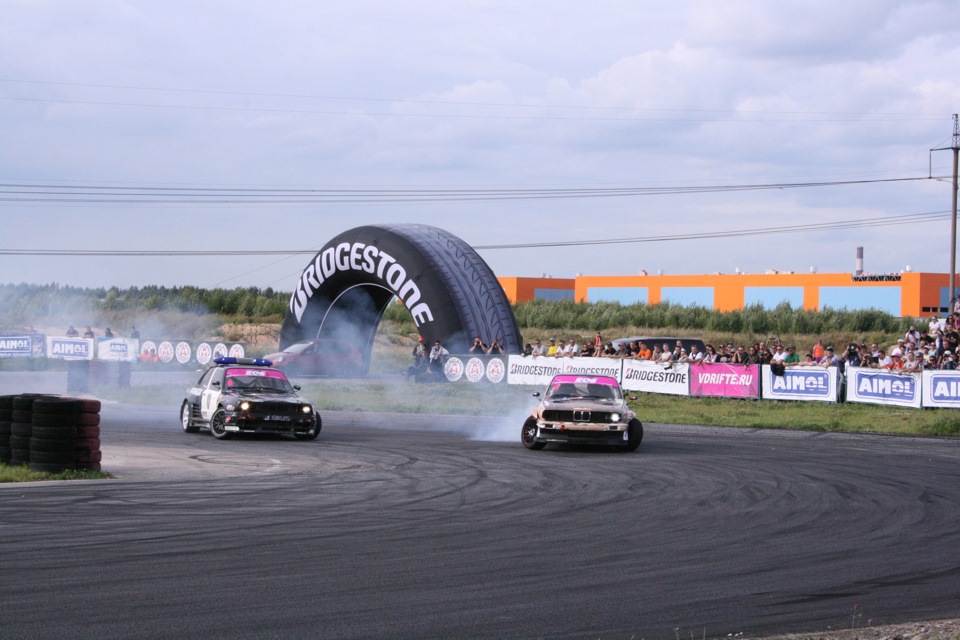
x=654 y=377
x=539 y=370
x=725 y=380
x=941 y=389
x=815 y=384
x=872 y=386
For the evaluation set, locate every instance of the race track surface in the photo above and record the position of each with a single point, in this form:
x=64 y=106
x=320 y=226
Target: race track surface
x=402 y=526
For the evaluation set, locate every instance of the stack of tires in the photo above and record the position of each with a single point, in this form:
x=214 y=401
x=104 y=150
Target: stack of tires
x=53 y=439
x=49 y=433
x=21 y=426
x=87 y=451
x=6 y=416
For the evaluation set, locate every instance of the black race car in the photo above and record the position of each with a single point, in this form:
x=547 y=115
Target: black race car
x=247 y=395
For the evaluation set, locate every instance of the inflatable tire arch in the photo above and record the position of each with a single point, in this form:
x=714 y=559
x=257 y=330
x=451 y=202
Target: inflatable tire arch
x=452 y=294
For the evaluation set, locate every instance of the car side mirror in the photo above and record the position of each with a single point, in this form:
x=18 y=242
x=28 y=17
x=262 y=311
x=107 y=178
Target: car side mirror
x=535 y=394
x=297 y=387
x=633 y=397
x=215 y=383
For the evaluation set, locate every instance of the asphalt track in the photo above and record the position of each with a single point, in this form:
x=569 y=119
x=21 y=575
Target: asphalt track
x=402 y=526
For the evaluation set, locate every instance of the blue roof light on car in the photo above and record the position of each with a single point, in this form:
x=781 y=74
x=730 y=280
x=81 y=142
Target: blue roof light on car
x=259 y=362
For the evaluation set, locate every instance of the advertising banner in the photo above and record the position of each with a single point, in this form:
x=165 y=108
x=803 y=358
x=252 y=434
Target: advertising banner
x=800 y=383
x=725 y=380
x=612 y=367
x=16 y=346
x=539 y=370
x=876 y=386
x=118 y=349
x=483 y=368
x=532 y=370
x=65 y=348
x=941 y=389
x=653 y=377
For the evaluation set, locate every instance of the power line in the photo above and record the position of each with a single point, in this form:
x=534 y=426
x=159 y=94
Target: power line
x=106 y=194
x=826 y=226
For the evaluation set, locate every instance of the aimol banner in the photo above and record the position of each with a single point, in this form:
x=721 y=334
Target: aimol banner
x=69 y=348
x=16 y=346
x=725 y=380
x=941 y=389
x=800 y=383
x=873 y=386
x=118 y=349
x=653 y=377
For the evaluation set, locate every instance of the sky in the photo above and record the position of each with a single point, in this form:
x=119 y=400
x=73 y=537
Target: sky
x=250 y=127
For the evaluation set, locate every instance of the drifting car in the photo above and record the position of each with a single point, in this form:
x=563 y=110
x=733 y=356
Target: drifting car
x=247 y=395
x=582 y=409
x=323 y=357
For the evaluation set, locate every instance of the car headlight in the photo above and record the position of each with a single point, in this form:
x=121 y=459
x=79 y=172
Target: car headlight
x=244 y=406
x=615 y=417
x=307 y=408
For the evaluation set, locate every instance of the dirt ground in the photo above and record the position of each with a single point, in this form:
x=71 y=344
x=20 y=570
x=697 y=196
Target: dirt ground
x=935 y=630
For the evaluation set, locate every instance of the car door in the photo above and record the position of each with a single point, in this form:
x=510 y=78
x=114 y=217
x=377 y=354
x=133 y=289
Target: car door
x=210 y=398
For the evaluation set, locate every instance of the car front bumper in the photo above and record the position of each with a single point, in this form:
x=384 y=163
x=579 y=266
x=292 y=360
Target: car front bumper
x=238 y=422
x=601 y=434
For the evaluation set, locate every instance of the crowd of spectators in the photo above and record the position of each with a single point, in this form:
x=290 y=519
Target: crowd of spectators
x=933 y=346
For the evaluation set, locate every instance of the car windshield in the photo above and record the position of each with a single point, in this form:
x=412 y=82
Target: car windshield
x=258 y=380
x=296 y=348
x=595 y=387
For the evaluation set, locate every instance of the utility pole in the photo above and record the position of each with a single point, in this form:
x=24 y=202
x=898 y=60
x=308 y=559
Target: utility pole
x=955 y=147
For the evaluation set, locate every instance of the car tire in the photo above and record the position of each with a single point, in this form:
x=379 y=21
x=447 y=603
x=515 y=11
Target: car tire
x=185 y=420
x=528 y=435
x=634 y=434
x=312 y=434
x=218 y=425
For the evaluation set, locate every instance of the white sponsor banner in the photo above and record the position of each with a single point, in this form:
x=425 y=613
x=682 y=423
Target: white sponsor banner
x=69 y=348
x=654 y=377
x=941 y=389
x=612 y=367
x=815 y=384
x=118 y=349
x=16 y=346
x=533 y=370
x=878 y=386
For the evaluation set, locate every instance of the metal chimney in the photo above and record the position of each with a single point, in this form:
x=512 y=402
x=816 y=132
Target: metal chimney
x=859 y=268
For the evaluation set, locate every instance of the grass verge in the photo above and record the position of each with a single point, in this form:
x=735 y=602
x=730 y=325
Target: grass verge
x=22 y=473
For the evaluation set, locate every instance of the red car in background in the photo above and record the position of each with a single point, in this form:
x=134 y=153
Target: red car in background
x=322 y=357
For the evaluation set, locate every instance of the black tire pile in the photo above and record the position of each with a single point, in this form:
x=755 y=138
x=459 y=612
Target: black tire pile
x=49 y=433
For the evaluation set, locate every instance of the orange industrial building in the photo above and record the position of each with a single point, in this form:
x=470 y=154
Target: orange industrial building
x=903 y=294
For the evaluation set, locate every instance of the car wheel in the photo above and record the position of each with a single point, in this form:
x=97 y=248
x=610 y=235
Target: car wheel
x=528 y=435
x=218 y=425
x=634 y=434
x=310 y=435
x=185 y=419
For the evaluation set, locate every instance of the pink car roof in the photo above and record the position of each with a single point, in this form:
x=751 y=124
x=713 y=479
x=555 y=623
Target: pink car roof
x=575 y=379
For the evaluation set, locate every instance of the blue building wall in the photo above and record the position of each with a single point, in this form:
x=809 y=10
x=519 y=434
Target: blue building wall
x=623 y=295
x=688 y=296
x=553 y=294
x=882 y=298
x=771 y=297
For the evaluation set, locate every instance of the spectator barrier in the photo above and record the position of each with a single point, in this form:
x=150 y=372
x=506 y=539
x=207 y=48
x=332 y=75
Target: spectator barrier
x=876 y=386
x=117 y=349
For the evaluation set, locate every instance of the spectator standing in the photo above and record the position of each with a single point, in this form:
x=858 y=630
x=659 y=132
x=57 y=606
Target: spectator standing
x=496 y=347
x=710 y=355
x=435 y=362
x=948 y=363
x=135 y=334
x=89 y=333
x=793 y=358
x=478 y=346
x=552 y=349
x=695 y=356
x=644 y=353
x=72 y=332
x=539 y=349
x=818 y=350
x=779 y=355
x=108 y=333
